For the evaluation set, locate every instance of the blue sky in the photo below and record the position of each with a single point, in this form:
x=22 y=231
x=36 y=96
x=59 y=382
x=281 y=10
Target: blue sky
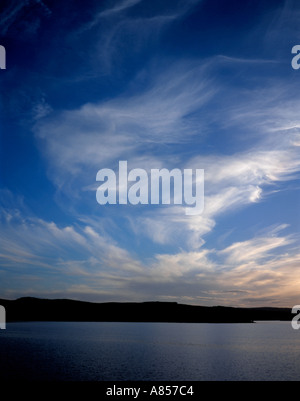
x=201 y=84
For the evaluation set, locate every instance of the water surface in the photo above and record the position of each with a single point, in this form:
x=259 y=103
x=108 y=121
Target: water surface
x=97 y=351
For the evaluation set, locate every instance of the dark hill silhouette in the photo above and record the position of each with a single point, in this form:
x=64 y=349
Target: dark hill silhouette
x=36 y=309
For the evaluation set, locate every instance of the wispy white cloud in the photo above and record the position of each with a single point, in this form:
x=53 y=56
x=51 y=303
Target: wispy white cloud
x=168 y=113
x=108 y=12
x=244 y=272
x=231 y=182
x=117 y=27
x=9 y=15
x=14 y=11
x=254 y=250
x=282 y=24
x=78 y=142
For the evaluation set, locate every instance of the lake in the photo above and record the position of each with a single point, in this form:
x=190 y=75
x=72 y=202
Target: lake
x=100 y=351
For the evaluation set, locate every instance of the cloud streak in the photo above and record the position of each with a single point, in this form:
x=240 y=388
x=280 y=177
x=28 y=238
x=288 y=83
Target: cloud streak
x=236 y=273
x=170 y=112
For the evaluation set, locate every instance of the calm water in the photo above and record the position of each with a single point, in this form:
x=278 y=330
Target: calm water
x=149 y=351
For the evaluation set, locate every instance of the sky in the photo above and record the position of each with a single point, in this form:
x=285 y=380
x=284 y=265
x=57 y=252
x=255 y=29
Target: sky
x=185 y=84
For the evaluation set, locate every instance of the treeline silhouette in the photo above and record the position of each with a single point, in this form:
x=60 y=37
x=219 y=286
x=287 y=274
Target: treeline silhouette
x=36 y=309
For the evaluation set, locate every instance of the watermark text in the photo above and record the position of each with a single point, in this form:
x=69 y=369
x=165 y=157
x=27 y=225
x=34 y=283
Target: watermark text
x=161 y=187
x=296 y=319
x=2 y=58
x=2 y=318
x=296 y=59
